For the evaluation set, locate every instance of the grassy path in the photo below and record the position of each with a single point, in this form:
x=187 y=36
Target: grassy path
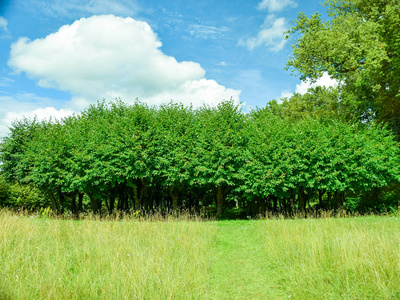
x=239 y=268
x=355 y=258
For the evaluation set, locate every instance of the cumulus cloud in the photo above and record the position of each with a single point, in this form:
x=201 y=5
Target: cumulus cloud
x=40 y=113
x=271 y=35
x=276 y=5
x=325 y=80
x=108 y=57
x=27 y=105
x=302 y=88
x=286 y=94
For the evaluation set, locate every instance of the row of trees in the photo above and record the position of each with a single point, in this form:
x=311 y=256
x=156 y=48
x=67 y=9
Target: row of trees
x=136 y=157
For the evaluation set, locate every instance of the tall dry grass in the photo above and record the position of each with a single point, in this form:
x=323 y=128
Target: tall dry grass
x=334 y=258
x=43 y=258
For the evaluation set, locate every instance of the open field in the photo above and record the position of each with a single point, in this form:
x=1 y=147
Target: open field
x=333 y=258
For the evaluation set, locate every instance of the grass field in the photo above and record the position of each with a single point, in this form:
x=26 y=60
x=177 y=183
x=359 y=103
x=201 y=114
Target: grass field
x=332 y=258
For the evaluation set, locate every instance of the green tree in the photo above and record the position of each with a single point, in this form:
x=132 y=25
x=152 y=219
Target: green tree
x=360 y=46
x=317 y=102
x=219 y=148
x=175 y=133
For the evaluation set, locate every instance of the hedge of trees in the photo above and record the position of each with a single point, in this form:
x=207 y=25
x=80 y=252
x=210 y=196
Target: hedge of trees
x=136 y=157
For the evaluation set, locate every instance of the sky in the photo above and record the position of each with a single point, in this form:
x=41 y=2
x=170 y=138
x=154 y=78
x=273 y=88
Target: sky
x=57 y=57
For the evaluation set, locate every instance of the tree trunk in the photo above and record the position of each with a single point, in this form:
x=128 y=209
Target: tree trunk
x=111 y=202
x=220 y=200
x=53 y=200
x=107 y=202
x=123 y=198
x=94 y=203
x=329 y=200
x=73 y=204
x=320 y=194
x=137 y=199
x=190 y=200
x=292 y=201
x=138 y=193
x=149 y=199
x=80 y=202
x=338 y=199
x=275 y=204
x=62 y=200
x=284 y=205
x=261 y=206
x=174 y=197
x=302 y=200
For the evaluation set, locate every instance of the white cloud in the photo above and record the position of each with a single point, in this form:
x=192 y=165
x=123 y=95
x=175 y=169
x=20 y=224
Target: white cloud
x=302 y=88
x=276 y=5
x=271 y=35
x=27 y=105
x=325 y=81
x=40 y=114
x=108 y=57
x=207 y=32
x=5 y=81
x=4 y=33
x=3 y=24
x=222 y=64
x=73 y=8
x=285 y=94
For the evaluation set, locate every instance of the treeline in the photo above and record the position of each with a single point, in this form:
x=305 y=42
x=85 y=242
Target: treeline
x=136 y=157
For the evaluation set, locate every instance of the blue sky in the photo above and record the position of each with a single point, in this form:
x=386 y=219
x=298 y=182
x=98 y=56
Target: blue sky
x=57 y=57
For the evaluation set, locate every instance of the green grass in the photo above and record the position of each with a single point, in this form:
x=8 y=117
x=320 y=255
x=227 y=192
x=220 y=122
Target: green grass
x=333 y=258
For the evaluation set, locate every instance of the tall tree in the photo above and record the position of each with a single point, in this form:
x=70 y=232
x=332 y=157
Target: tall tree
x=360 y=46
x=220 y=145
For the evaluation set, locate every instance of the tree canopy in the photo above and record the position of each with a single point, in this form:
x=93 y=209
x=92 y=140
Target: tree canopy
x=360 y=46
x=135 y=157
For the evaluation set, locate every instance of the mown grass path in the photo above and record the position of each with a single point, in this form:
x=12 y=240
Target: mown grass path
x=240 y=269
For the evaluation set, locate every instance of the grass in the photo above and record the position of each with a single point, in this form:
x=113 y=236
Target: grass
x=331 y=258
x=89 y=259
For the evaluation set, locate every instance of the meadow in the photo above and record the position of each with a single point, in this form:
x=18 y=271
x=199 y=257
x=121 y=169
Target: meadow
x=189 y=258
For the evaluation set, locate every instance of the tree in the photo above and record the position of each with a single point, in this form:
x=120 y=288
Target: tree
x=174 y=131
x=219 y=148
x=360 y=46
x=317 y=102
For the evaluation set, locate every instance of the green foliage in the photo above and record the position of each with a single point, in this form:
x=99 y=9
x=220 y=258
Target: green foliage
x=377 y=200
x=317 y=102
x=358 y=45
x=134 y=157
x=20 y=195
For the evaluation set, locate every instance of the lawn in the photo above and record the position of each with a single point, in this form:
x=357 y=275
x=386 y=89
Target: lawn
x=332 y=258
